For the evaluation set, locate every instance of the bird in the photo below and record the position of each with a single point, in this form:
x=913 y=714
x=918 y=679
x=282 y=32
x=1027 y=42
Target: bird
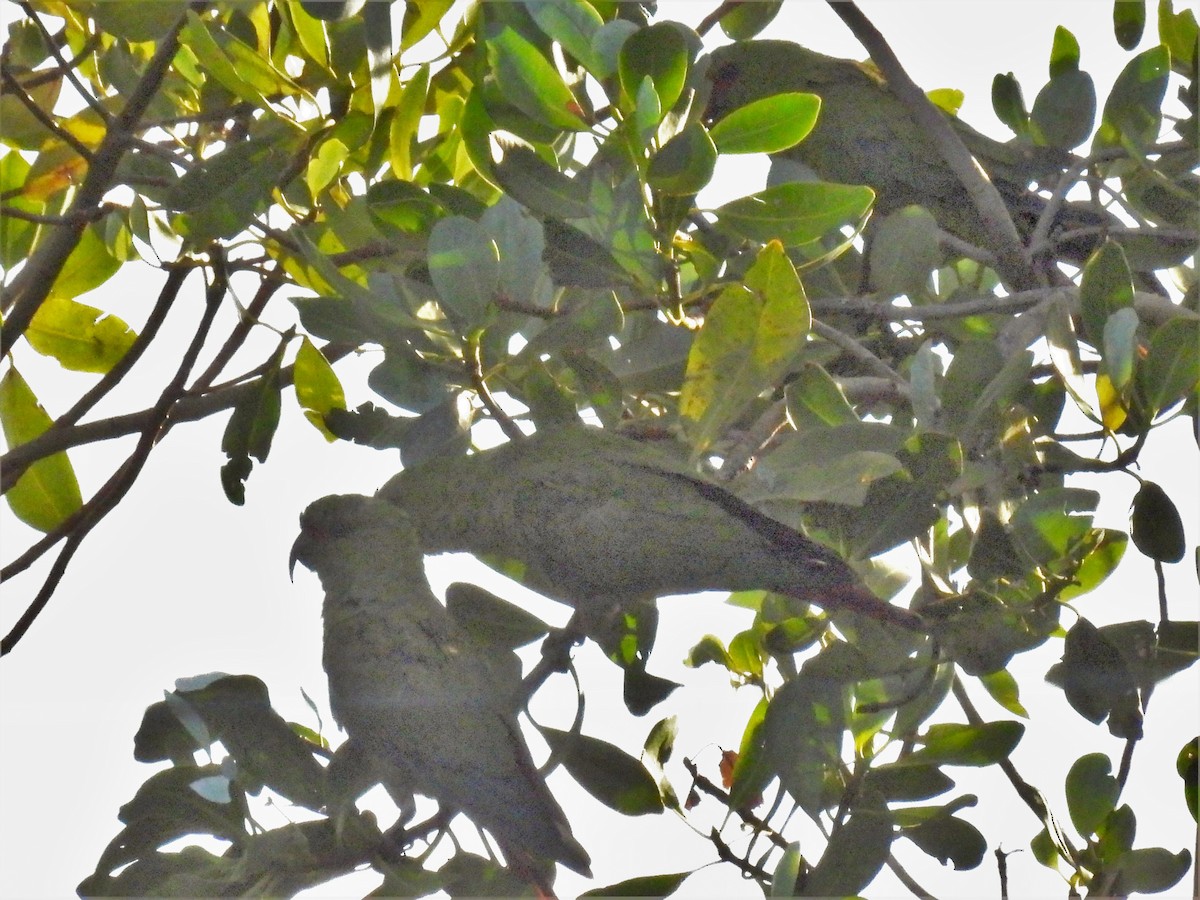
x=599 y=521
x=864 y=134
x=429 y=711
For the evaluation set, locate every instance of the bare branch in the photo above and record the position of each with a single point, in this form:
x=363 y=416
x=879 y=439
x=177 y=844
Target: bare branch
x=994 y=215
x=122 y=480
x=166 y=297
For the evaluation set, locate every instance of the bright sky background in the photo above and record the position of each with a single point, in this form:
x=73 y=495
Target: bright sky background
x=177 y=582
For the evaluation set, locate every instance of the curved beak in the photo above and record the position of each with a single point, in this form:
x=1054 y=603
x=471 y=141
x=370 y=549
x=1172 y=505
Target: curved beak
x=297 y=555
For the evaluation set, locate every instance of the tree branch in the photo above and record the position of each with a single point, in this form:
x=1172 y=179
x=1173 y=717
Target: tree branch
x=11 y=472
x=122 y=480
x=1013 y=267
x=35 y=279
x=189 y=408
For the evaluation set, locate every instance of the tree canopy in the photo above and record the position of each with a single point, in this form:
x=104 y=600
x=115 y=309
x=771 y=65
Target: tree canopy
x=914 y=336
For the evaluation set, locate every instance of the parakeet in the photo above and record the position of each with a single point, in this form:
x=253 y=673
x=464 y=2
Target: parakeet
x=600 y=520
x=424 y=705
x=865 y=135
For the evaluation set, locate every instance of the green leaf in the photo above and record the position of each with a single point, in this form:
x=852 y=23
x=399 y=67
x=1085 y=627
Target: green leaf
x=464 y=268
x=837 y=464
x=642 y=886
x=1064 y=53
x=540 y=186
x=949 y=839
x=904 y=251
x=1133 y=110
x=137 y=22
x=1092 y=792
x=492 y=619
x=1129 y=21
x=250 y=431
x=795 y=212
x=1009 y=104
x=1120 y=346
x=235 y=65
x=88 y=266
x=1064 y=111
x=1153 y=869
x=802 y=737
x=1003 y=688
x=1105 y=288
x=47 y=493
x=908 y=783
x=813 y=396
x=318 y=390
x=530 y=83
x=420 y=20
x=573 y=24
x=685 y=163
x=744 y=20
x=786 y=876
x=606 y=772
x=1171 y=369
x=1178 y=31
x=82 y=338
x=1187 y=764
x=768 y=125
x=754 y=768
x=856 y=852
x=520 y=245
x=966 y=745
x=406 y=118
x=750 y=336
x=220 y=196
x=1156 y=526
x=659 y=53
x=1094 y=676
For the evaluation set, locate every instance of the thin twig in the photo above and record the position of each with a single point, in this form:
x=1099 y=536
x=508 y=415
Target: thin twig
x=479 y=381
x=33 y=282
x=44 y=117
x=859 y=352
x=43 y=76
x=122 y=480
x=1029 y=795
x=68 y=71
x=190 y=408
x=114 y=376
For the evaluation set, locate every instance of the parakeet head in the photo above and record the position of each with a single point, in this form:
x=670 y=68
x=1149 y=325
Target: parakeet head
x=347 y=516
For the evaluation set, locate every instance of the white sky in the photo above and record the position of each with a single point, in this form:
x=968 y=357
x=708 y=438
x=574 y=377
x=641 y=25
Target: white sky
x=177 y=582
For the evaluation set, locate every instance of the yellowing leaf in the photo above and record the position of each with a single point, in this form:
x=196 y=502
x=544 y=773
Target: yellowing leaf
x=318 y=389
x=81 y=337
x=1112 y=410
x=751 y=334
x=48 y=492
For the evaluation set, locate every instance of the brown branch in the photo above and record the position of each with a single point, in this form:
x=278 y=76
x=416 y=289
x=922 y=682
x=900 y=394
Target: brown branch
x=1151 y=308
x=68 y=71
x=41 y=76
x=272 y=280
x=479 y=381
x=994 y=216
x=859 y=352
x=113 y=377
x=118 y=485
x=190 y=408
x=1029 y=795
x=81 y=216
x=704 y=785
x=33 y=282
